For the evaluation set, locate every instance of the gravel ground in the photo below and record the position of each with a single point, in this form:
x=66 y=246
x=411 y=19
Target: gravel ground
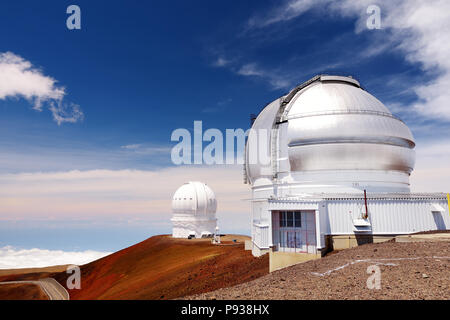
x=418 y=270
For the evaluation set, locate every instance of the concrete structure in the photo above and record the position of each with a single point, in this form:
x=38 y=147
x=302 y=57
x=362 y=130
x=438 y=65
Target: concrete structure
x=329 y=167
x=194 y=211
x=279 y=260
x=435 y=237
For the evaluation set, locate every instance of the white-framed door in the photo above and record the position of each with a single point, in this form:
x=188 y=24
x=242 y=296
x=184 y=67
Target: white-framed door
x=295 y=231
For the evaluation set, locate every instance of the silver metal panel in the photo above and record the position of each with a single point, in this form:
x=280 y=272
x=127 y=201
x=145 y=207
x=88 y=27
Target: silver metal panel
x=351 y=156
x=350 y=126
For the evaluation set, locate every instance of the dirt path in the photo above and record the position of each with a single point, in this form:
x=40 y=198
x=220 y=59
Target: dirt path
x=50 y=286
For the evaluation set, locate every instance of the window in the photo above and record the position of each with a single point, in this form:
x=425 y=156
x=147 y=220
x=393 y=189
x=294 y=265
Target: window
x=282 y=219
x=290 y=219
x=298 y=219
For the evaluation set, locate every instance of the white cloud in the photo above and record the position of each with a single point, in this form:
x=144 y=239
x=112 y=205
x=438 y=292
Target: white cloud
x=418 y=29
x=63 y=112
x=20 y=79
x=432 y=171
x=12 y=258
x=421 y=30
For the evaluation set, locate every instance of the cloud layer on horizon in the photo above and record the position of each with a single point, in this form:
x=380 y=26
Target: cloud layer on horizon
x=120 y=194
x=13 y=258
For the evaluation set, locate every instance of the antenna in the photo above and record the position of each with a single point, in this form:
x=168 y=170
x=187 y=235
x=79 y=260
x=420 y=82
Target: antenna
x=252 y=119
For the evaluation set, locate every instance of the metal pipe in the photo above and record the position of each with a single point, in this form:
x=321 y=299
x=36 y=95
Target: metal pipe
x=365 y=203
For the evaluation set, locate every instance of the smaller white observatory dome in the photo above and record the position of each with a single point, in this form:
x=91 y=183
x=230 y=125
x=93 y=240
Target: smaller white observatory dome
x=194 y=208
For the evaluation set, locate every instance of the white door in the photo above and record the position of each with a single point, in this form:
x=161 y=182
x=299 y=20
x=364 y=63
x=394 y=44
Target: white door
x=296 y=231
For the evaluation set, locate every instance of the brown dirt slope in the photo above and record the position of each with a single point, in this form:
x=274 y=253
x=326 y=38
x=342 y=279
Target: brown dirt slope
x=21 y=291
x=8 y=272
x=164 y=268
x=416 y=270
x=21 y=276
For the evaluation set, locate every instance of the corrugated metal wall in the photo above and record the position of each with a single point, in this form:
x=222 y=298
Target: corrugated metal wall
x=387 y=216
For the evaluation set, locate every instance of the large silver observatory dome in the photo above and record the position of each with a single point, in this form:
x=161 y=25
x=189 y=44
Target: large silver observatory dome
x=330 y=135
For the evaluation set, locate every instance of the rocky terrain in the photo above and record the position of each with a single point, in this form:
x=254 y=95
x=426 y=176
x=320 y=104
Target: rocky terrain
x=418 y=270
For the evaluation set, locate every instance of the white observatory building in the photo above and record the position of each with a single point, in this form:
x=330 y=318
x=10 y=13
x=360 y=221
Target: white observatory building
x=337 y=172
x=194 y=208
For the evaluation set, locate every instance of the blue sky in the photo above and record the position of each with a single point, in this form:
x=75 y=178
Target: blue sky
x=137 y=70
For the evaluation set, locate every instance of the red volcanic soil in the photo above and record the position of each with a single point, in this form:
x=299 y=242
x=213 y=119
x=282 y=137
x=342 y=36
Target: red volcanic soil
x=21 y=291
x=165 y=268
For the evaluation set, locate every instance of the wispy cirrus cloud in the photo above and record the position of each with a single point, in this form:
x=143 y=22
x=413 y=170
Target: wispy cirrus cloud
x=132 y=146
x=416 y=29
x=20 y=79
x=145 y=149
x=259 y=41
x=218 y=107
x=287 y=11
x=284 y=78
x=80 y=156
x=221 y=62
x=251 y=69
x=277 y=79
